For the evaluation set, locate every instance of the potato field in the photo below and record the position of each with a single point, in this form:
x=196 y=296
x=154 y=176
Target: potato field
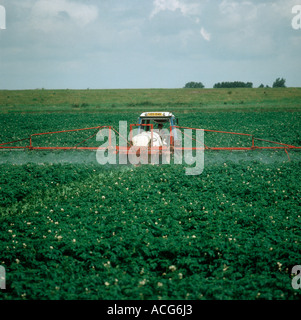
x=71 y=228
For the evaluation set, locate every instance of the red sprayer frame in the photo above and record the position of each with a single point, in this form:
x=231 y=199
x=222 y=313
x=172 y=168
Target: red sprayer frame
x=129 y=149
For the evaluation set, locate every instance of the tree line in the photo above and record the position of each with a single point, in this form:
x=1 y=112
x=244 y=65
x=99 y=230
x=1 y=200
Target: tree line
x=278 y=83
x=234 y=84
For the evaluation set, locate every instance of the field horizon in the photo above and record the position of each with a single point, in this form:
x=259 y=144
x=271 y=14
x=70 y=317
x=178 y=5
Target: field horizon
x=140 y=100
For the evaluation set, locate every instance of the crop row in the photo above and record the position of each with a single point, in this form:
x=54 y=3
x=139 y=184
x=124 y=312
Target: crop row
x=150 y=232
x=277 y=126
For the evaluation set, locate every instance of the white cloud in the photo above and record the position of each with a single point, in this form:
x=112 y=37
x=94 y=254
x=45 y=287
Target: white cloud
x=251 y=29
x=234 y=13
x=46 y=14
x=173 y=5
x=205 y=34
x=143 y=43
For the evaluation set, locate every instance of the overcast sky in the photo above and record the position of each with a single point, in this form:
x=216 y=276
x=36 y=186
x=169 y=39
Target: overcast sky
x=79 y=44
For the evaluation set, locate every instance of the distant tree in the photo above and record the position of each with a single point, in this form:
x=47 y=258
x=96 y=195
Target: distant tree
x=233 y=84
x=193 y=84
x=261 y=86
x=279 y=83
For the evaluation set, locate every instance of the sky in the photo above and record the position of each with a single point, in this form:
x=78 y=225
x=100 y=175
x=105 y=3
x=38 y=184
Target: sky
x=113 y=44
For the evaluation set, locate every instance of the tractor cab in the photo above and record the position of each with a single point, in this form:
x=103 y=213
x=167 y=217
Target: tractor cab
x=157 y=120
x=156 y=129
